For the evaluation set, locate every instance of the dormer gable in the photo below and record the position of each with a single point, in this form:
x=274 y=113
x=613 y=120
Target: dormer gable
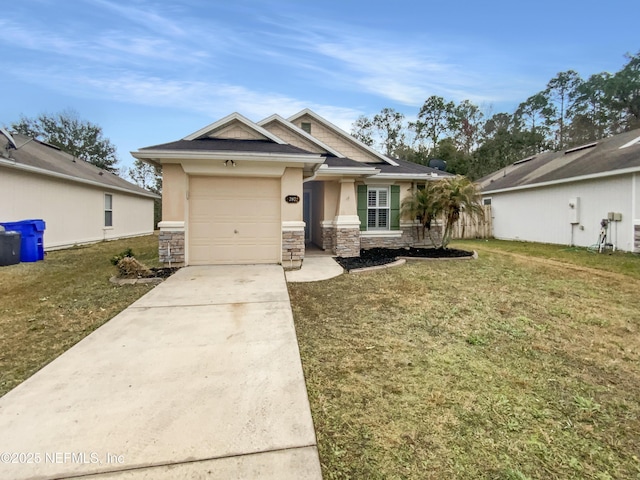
x=336 y=138
x=296 y=136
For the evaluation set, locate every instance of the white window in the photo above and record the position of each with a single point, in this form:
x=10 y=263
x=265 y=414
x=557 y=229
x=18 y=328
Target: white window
x=108 y=210
x=378 y=208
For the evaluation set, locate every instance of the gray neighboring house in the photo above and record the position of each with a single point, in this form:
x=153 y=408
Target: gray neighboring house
x=79 y=202
x=562 y=197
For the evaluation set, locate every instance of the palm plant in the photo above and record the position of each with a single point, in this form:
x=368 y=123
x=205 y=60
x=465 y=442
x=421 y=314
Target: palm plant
x=446 y=199
x=455 y=195
x=422 y=206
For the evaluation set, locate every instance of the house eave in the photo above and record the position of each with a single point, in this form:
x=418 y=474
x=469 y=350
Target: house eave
x=71 y=178
x=325 y=170
x=580 y=178
x=409 y=176
x=177 y=155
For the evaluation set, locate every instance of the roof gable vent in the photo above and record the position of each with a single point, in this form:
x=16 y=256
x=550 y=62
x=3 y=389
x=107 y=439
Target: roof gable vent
x=581 y=147
x=524 y=160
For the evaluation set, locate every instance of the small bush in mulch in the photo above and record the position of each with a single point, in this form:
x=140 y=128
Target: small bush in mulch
x=129 y=267
x=382 y=256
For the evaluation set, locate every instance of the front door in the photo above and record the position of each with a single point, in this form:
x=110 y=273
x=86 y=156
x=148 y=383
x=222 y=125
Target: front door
x=306 y=214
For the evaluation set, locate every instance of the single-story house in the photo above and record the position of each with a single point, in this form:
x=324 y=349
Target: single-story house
x=563 y=197
x=79 y=202
x=237 y=191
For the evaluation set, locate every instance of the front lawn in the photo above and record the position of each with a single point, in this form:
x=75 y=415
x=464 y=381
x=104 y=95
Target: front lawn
x=48 y=306
x=507 y=367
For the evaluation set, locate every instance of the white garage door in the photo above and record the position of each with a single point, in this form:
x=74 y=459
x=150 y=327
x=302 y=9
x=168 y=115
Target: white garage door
x=234 y=220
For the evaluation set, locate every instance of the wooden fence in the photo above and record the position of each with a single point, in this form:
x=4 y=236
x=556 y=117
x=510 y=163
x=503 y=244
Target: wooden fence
x=468 y=227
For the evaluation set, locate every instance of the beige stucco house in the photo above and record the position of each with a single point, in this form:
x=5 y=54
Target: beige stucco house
x=243 y=192
x=79 y=202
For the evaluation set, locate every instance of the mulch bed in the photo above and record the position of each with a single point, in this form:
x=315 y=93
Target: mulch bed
x=164 y=272
x=382 y=256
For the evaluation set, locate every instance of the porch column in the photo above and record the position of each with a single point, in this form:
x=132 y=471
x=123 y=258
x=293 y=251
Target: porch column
x=346 y=221
x=172 y=249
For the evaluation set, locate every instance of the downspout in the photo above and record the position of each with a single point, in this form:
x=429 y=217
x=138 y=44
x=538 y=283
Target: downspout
x=634 y=213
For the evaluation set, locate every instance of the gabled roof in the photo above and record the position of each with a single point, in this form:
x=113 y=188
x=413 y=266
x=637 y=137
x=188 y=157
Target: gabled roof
x=235 y=136
x=287 y=124
x=210 y=130
x=615 y=155
x=341 y=133
x=30 y=155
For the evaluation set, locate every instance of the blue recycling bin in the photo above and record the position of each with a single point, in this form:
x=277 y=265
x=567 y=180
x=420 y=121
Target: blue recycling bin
x=31 y=244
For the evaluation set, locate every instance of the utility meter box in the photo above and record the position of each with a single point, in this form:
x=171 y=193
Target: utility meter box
x=617 y=217
x=574 y=210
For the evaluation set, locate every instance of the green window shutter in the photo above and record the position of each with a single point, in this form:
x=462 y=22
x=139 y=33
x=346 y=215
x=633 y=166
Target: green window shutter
x=395 y=207
x=362 y=206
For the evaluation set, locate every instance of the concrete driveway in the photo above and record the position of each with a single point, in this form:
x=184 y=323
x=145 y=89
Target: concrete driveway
x=200 y=378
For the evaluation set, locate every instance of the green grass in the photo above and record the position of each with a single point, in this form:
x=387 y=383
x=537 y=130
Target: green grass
x=50 y=305
x=617 y=262
x=501 y=368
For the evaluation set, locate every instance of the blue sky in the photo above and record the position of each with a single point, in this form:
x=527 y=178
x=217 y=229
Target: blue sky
x=150 y=72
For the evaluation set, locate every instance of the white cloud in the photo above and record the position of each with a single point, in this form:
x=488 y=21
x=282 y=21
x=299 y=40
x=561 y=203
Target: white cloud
x=212 y=99
x=143 y=16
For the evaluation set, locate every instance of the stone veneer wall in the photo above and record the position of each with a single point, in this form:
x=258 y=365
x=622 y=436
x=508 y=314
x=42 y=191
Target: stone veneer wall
x=347 y=242
x=409 y=238
x=636 y=238
x=292 y=249
x=175 y=240
x=328 y=238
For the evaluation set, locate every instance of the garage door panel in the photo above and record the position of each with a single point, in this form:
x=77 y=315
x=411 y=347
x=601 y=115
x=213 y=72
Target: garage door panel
x=234 y=220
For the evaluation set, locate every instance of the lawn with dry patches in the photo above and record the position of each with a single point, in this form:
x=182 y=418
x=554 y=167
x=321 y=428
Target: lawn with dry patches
x=48 y=306
x=501 y=368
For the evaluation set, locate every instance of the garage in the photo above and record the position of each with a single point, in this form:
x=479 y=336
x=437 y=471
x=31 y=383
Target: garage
x=234 y=220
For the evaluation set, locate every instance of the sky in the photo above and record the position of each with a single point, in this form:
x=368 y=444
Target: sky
x=151 y=72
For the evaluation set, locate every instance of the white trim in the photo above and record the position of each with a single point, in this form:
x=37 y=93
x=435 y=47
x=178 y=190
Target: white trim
x=203 y=132
x=179 y=155
x=293 y=226
x=171 y=226
x=381 y=233
x=611 y=173
x=632 y=142
x=299 y=131
x=327 y=224
x=342 y=133
x=49 y=173
x=345 y=221
x=326 y=170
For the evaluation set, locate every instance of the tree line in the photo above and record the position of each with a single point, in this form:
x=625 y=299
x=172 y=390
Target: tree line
x=570 y=111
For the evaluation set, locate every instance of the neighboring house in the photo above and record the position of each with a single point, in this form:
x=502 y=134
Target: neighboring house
x=562 y=197
x=79 y=202
x=243 y=192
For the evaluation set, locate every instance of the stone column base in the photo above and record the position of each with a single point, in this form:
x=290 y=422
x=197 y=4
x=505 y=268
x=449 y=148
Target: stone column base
x=171 y=248
x=347 y=242
x=292 y=245
x=328 y=236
